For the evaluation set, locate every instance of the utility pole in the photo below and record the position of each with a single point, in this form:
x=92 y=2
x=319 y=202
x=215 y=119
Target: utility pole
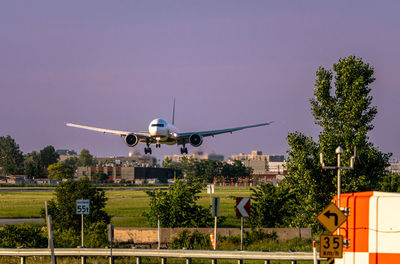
x=339 y=168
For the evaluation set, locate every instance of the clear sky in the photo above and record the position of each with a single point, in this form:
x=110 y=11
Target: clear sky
x=119 y=64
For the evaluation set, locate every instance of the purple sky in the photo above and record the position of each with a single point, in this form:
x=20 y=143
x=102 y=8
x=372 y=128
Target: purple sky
x=118 y=65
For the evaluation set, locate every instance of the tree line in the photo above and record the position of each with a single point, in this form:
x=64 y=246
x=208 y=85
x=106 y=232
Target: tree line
x=42 y=164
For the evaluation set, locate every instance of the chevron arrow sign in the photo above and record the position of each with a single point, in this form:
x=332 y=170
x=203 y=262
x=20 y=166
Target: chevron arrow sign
x=242 y=206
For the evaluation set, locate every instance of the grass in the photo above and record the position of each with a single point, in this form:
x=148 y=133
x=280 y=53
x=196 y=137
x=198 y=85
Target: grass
x=127 y=206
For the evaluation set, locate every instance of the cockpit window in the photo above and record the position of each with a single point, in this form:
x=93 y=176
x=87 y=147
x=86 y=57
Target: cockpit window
x=157 y=125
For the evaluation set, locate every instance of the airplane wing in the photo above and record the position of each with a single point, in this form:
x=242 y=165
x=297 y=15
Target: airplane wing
x=110 y=131
x=186 y=135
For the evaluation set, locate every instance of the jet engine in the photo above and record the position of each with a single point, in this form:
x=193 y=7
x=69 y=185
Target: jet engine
x=195 y=140
x=131 y=140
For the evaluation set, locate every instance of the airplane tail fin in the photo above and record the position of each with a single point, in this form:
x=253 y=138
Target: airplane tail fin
x=173 y=113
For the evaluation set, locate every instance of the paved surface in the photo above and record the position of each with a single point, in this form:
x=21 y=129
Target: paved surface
x=13 y=221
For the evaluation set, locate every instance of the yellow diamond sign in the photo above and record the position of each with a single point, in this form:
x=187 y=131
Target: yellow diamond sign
x=331 y=218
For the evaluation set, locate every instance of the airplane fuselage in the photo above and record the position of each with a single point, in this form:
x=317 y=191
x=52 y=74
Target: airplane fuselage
x=163 y=132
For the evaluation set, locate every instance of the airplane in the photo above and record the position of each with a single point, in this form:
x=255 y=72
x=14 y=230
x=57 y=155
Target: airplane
x=161 y=132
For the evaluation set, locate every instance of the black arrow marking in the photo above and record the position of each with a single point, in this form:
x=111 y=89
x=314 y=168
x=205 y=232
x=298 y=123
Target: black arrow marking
x=328 y=214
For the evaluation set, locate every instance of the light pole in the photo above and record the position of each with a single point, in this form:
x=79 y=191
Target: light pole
x=339 y=168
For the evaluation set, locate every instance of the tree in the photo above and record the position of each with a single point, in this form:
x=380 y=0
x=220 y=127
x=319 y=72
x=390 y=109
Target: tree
x=48 y=156
x=177 y=207
x=60 y=171
x=33 y=165
x=270 y=206
x=86 y=159
x=72 y=162
x=100 y=177
x=11 y=158
x=345 y=115
x=25 y=235
x=62 y=208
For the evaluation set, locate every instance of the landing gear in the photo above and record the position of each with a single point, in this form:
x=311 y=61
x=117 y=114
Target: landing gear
x=147 y=150
x=184 y=150
x=158 y=145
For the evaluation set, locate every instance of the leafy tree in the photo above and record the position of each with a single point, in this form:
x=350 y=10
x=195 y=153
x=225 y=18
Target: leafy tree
x=390 y=183
x=270 y=206
x=86 y=159
x=345 y=115
x=72 y=162
x=33 y=165
x=235 y=171
x=48 y=156
x=204 y=171
x=177 y=207
x=60 y=171
x=25 y=235
x=62 y=208
x=100 y=177
x=11 y=158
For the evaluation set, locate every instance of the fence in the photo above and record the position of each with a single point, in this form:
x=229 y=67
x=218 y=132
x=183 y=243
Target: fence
x=163 y=254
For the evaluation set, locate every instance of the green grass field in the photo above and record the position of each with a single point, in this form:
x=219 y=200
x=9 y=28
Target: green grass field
x=127 y=206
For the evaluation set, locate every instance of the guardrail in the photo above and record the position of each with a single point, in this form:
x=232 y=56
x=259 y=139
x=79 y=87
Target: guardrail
x=161 y=253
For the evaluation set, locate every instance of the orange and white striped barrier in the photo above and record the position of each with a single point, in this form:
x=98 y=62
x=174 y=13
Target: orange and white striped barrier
x=372 y=231
x=212 y=238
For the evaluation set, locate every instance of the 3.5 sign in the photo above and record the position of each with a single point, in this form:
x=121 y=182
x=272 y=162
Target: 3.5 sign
x=82 y=207
x=331 y=246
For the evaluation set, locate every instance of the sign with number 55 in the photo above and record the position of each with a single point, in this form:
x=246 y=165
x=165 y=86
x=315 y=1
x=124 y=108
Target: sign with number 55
x=82 y=207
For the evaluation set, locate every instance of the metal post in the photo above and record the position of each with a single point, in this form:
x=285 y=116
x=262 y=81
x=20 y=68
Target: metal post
x=338 y=151
x=111 y=256
x=339 y=169
x=83 y=258
x=23 y=260
x=241 y=232
x=163 y=260
x=267 y=262
x=83 y=239
x=159 y=232
x=138 y=260
x=213 y=261
x=188 y=261
x=215 y=232
x=50 y=238
x=240 y=261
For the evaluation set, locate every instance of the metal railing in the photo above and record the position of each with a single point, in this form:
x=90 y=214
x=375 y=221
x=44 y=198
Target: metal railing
x=162 y=253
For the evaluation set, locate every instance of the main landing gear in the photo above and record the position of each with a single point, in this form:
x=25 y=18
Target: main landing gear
x=147 y=150
x=184 y=150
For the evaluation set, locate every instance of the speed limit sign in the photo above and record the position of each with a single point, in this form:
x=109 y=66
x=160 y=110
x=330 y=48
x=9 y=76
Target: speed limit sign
x=82 y=207
x=331 y=246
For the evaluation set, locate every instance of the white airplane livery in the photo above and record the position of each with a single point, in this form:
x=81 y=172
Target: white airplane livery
x=161 y=132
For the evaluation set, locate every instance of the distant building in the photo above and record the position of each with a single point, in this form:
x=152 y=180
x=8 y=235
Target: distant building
x=266 y=168
x=394 y=167
x=199 y=155
x=136 y=175
x=261 y=164
x=130 y=161
x=66 y=154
